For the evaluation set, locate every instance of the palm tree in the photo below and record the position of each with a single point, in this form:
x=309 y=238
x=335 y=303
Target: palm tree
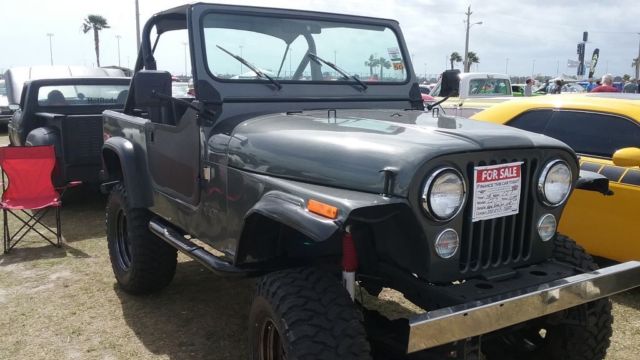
x=473 y=59
x=95 y=23
x=455 y=57
x=371 y=63
x=384 y=64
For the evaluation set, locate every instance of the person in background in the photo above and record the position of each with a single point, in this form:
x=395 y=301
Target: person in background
x=557 y=88
x=528 y=88
x=638 y=86
x=607 y=85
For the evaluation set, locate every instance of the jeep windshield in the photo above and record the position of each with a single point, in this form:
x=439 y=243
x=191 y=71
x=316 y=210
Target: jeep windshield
x=280 y=48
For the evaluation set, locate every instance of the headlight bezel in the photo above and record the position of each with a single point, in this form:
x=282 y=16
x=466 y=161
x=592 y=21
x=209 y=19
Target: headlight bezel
x=426 y=193
x=543 y=178
x=440 y=236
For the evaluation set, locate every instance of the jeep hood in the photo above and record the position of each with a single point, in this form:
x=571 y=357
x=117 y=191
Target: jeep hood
x=349 y=150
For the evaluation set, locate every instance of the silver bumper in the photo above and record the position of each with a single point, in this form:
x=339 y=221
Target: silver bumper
x=458 y=322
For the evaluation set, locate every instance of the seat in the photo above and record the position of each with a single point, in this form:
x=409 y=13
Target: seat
x=27 y=185
x=55 y=97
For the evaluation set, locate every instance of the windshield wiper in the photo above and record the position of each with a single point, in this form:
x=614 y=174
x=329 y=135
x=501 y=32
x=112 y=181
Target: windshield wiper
x=259 y=73
x=335 y=67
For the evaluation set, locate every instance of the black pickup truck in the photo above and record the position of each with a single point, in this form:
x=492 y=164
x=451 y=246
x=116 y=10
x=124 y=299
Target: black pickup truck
x=67 y=113
x=325 y=182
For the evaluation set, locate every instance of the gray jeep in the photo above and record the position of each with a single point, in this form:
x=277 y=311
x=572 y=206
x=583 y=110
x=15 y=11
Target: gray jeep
x=325 y=181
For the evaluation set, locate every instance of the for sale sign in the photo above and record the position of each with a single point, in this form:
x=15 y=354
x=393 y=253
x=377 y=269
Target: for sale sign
x=496 y=191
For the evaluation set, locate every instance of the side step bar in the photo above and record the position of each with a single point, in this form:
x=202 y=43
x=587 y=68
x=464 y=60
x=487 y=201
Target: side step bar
x=195 y=251
x=442 y=326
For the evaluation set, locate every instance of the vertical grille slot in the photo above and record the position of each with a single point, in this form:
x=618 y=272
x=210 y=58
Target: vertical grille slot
x=499 y=241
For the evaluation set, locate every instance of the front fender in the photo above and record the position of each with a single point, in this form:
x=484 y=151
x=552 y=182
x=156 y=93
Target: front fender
x=122 y=163
x=284 y=202
x=290 y=210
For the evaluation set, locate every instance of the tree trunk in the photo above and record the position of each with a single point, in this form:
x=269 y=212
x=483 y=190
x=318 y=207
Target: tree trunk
x=370 y=71
x=451 y=64
x=96 y=40
x=381 y=69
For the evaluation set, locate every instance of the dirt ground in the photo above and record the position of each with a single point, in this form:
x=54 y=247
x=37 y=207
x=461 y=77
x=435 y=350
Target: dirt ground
x=64 y=303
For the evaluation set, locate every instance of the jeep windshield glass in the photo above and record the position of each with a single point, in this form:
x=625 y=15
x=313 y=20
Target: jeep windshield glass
x=65 y=95
x=280 y=47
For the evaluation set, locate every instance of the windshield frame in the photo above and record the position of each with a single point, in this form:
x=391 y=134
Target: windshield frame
x=312 y=16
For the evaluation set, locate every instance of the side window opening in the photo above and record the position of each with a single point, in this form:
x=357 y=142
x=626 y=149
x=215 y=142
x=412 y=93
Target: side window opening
x=171 y=54
x=594 y=134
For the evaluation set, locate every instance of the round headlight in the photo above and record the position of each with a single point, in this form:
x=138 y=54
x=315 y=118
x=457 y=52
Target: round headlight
x=547 y=227
x=443 y=194
x=447 y=243
x=555 y=182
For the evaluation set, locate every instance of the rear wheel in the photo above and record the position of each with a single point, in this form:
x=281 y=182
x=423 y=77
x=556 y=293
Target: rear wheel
x=142 y=263
x=305 y=314
x=579 y=333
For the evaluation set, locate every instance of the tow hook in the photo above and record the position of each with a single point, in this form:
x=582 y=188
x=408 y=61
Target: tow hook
x=349 y=262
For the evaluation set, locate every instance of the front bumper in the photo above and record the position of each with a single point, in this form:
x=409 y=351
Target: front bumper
x=475 y=318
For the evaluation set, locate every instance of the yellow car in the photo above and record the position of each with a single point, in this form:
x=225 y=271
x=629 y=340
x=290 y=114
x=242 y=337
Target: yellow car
x=604 y=130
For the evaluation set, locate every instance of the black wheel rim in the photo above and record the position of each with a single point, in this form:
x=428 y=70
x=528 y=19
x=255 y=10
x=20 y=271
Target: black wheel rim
x=270 y=345
x=122 y=242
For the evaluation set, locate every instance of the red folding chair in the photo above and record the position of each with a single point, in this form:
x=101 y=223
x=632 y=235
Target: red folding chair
x=27 y=185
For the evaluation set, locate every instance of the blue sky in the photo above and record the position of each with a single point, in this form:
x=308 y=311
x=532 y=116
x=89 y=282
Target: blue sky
x=535 y=36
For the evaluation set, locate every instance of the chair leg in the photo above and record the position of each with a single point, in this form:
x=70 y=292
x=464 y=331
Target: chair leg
x=58 y=227
x=5 y=231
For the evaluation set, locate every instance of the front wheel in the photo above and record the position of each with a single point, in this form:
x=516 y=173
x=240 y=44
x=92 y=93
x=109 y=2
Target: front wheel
x=579 y=333
x=142 y=263
x=305 y=314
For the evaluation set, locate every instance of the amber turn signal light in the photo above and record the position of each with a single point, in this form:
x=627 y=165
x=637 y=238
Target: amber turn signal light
x=322 y=209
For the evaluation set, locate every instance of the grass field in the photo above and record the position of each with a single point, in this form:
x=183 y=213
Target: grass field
x=64 y=303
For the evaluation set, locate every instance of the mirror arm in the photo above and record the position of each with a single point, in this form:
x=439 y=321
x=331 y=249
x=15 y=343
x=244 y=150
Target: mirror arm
x=199 y=109
x=431 y=106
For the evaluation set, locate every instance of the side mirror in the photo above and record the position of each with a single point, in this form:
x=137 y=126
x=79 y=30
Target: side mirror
x=450 y=83
x=627 y=157
x=591 y=181
x=147 y=84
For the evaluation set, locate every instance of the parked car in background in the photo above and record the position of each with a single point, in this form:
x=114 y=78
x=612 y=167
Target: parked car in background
x=67 y=113
x=5 y=109
x=424 y=92
x=16 y=77
x=181 y=89
x=567 y=87
x=476 y=91
x=604 y=129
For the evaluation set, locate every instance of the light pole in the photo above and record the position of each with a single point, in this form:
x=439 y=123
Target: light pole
x=425 y=72
x=558 y=68
x=118 y=37
x=50 y=35
x=137 y=25
x=533 y=68
x=185 y=57
x=466 y=41
x=506 y=66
